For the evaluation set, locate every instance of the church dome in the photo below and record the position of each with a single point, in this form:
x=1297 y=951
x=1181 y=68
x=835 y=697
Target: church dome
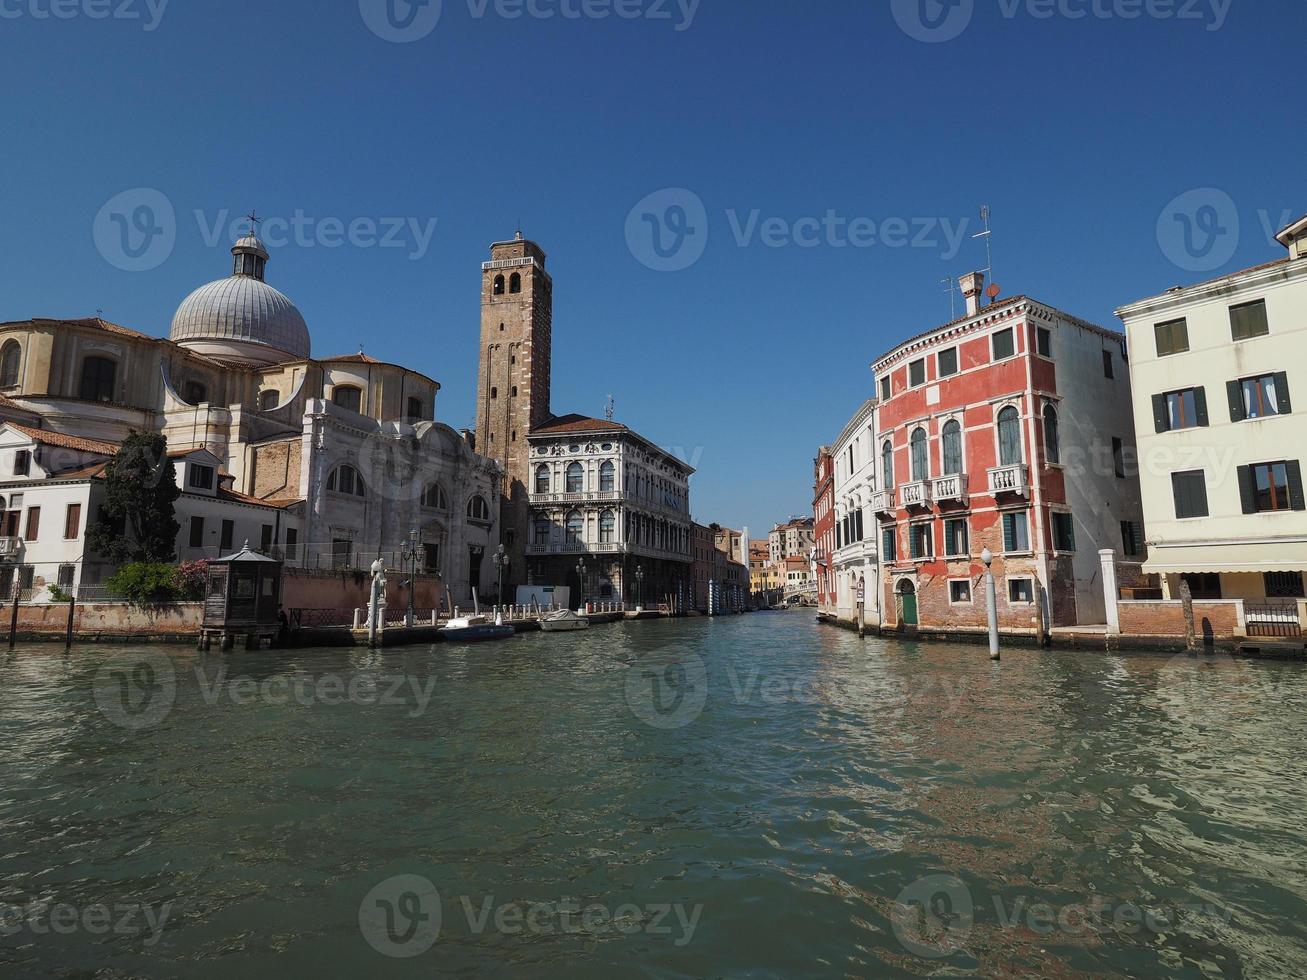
x=242 y=316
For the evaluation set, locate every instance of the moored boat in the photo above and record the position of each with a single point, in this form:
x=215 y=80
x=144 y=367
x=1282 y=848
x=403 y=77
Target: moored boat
x=470 y=629
x=563 y=621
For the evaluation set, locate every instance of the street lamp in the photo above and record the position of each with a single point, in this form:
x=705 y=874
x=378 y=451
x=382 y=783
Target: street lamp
x=639 y=588
x=410 y=555
x=991 y=600
x=501 y=561
x=580 y=576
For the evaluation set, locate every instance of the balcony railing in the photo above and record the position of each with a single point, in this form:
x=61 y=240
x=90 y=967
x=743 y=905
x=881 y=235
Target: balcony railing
x=952 y=487
x=882 y=501
x=10 y=547
x=916 y=494
x=575 y=498
x=1010 y=479
x=574 y=548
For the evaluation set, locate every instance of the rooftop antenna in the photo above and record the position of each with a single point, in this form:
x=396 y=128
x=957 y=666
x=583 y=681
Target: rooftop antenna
x=611 y=407
x=950 y=287
x=989 y=259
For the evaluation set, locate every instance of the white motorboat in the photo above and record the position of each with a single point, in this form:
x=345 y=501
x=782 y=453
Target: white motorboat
x=563 y=621
x=469 y=629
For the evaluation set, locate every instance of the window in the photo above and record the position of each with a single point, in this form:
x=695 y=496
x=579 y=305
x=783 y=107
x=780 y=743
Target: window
x=515 y=283
x=1190 y=492
x=887 y=465
x=540 y=529
x=951 y=438
x=1020 y=591
x=921 y=541
x=889 y=547
x=292 y=543
x=268 y=400
x=959 y=592
x=434 y=498
x=1172 y=337
x=478 y=509
x=1004 y=344
x=33 y=524
x=228 y=535
x=11 y=356
x=1064 y=532
x=265 y=538
x=201 y=477
x=197 y=532
x=67 y=575
x=415 y=409
x=1185 y=409
x=1052 y=439
x=920 y=455
x=607 y=478
x=575 y=478
x=1108 y=370
x=431 y=558
x=948 y=362
x=1256 y=398
x=1284 y=585
x=1271 y=486
x=196 y=393
x=607 y=527
x=346 y=479
x=499 y=287
x=956 y=538
x=1044 y=341
x=22 y=462
x=574 y=528
x=1248 y=320
x=348 y=397
x=1016 y=532
x=1118 y=457
x=98 y=377
x=1204 y=585
x=917 y=373
x=1009 y=437
x=494 y=393
x=542 y=479
x=1132 y=539
x=342 y=552
x=885 y=389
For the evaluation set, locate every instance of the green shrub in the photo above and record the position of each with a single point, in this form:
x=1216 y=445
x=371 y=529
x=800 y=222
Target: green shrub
x=145 y=582
x=57 y=594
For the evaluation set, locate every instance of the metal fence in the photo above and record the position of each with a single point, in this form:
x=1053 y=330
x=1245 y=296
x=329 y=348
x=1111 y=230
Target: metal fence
x=1273 y=619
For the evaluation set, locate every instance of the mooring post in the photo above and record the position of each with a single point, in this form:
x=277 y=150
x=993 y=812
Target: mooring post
x=13 y=622
x=72 y=610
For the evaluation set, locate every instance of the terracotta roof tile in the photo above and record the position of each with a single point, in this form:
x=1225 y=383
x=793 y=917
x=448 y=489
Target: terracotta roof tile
x=579 y=423
x=359 y=358
x=64 y=441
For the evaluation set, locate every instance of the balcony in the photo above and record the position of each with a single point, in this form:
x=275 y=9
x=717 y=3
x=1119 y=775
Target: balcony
x=949 y=488
x=10 y=547
x=1010 y=479
x=602 y=496
x=574 y=548
x=916 y=494
x=882 y=502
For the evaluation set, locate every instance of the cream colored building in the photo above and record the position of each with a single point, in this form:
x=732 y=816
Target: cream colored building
x=1217 y=368
x=855 y=563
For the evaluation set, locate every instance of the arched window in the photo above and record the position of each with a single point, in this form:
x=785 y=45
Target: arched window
x=268 y=400
x=414 y=412
x=347 y=480
x=1009 y=437
x=887 y=465
x=575 y=478
x=952 y=440
x=196 y=393
x=1052 y=441
x=98 y=377
x=541 y=529
x=607 y=527
x=575 y=527
x=434 y=497
x=607 y=477
x=348 y=396
x=11 y=356
x=515 y=283
x=542 y=478
x=499 y=285
x=920 y=456
x=478 y=509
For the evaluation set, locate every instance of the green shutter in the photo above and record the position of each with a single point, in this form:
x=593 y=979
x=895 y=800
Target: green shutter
x=1009 y=532
x=1234 y=391
x=1200 y=405
x=1282 y=404
x=1247 y=490
x=1296 y=500
x=1161 y=418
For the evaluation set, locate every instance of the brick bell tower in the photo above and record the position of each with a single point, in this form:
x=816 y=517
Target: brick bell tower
x=517 y=300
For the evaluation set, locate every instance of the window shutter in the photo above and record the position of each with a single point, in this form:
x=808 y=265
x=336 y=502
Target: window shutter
x=1009 y=532
x=1282 y=394
x=1247 y=492
x=1200 y=405
x=1294 y=469
x=1234 y=390
x=1161 y=419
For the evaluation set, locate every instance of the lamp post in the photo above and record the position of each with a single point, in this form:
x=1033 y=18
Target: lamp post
x=580 y=577
x=991 y=601
x=639 y=588
x=410 y=555
x=501 y=560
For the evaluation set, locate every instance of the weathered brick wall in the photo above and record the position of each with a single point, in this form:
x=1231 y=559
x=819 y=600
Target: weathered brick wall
x=309 y=588
x=1166 y=618
x=111 y=617
x=277 y=470
x=1130 y=575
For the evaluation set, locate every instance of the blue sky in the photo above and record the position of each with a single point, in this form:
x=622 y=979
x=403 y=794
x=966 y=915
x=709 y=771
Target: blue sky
x=1083 y=134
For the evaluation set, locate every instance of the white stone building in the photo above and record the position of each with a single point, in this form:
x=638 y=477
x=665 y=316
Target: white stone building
x=855 y=564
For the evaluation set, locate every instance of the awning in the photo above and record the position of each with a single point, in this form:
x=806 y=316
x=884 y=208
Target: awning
x=1256 y=557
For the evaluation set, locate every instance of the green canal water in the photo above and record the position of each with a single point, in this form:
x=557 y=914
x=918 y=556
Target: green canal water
x=756 y=796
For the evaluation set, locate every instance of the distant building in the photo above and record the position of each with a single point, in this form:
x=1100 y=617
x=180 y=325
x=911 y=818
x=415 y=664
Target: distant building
x=1216 y=369
x=794 y=537
x=823 y=517
x=854 y=565
x=800 y=583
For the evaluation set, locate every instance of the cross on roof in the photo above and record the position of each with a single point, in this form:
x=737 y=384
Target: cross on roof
x=254 y=220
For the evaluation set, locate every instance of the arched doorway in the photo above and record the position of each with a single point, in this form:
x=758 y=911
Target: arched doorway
x=908 y=603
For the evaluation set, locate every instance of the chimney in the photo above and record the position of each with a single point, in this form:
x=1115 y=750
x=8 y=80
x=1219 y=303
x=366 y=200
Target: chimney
x=973 y=286
x=1294 y=238
x=470 y=438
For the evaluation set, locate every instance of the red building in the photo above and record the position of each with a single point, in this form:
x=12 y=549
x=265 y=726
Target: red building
x=823 y=527
x=1008 y=429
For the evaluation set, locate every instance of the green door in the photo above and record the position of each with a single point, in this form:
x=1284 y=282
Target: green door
x=909 y=595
